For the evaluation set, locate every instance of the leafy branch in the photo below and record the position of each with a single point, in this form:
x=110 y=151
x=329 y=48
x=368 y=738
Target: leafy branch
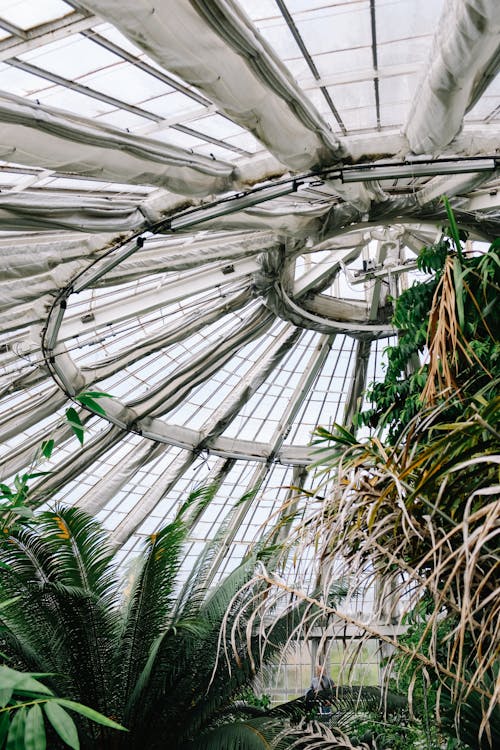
x=14 y=498
x=27 y=706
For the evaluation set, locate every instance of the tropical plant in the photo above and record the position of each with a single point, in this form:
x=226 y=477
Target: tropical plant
x=29 y=710
x=415 y=516
x=152 y=657
x=463 y=349
x=18 y=499
x=360 y=717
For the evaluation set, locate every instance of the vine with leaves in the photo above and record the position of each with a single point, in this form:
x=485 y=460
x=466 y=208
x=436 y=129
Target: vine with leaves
x=448 y=322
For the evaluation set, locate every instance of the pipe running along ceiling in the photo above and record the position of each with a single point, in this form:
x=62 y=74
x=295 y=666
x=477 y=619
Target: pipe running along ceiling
x=204 y=210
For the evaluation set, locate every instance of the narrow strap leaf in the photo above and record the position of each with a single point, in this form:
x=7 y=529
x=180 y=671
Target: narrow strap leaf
x=15 y=738
x=34 y=730
x=63 y=724
x=4 y=726
x=459 y=292
x=453 y=226
x=89 y=713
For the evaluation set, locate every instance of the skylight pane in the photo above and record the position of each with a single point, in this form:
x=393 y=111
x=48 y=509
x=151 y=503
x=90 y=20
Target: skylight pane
x=72 y=57
x=125 y=82
x=27 y=14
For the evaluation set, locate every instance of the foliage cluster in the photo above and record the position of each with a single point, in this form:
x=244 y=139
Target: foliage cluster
x=415 y=515
x=17 y=499
x=29 y=711
x=151 y=657
x=425 y=316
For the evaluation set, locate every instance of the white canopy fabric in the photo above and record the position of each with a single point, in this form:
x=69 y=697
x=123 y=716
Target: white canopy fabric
x=205 y=208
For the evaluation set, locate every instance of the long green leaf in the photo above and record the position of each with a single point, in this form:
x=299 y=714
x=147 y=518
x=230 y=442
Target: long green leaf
x=95 y=394
x=453 y=226
x=34 y=730
x=21 y=681
x=89 y=713
x=47 y=447
x=150 y=602
x=5 y=696
x=92 y=404
x=15 y=738
x=4 y=726
x=75 y=423
x=63 y=724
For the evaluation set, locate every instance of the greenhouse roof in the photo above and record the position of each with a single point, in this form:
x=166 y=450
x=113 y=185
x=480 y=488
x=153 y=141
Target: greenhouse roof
x=206 y=208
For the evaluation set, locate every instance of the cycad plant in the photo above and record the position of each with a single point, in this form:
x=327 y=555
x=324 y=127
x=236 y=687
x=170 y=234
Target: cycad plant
x=150 y=657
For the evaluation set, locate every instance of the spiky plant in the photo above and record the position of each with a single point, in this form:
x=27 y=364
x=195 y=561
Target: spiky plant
x=151 y=657
x=418 y=519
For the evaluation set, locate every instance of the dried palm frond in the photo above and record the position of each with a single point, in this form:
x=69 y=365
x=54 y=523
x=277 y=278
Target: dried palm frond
x=417 y=522
x=442 y=337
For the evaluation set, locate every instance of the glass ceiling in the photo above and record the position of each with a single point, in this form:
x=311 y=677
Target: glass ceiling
x=205 y=210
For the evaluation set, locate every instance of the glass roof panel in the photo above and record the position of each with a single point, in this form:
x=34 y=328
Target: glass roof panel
x=20 y=82
x=222 y=348
x=72 y=101
x=26 y=14
x=125 y=82
x=76 y=56
x=336 y=27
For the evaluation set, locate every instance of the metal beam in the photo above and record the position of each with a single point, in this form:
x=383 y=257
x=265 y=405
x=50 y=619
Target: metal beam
x=237 y=518
x=160 y=75
x=484 y=201
x=160 y=488
x=450 y=185
x=46 y=137
x=373 y=23
x=278 y=347
x=299 y=476
x=45 y=34
x=359 y=76
x=178 y=384
x=140 y=304
x=16 y=31
x=118 y=103
x=310 y=62
x=310 y=374
x=77 y=463
x=358 y=382
x=376 y=292
x=80 y=88
x=119 y=475
x=318 y=277
x=234 y=67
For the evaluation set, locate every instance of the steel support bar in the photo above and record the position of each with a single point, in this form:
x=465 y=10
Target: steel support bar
x=45 y=34
x=358 y=382
x=142 y=303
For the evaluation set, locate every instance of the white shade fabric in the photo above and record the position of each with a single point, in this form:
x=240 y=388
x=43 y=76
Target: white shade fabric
x=192 y=221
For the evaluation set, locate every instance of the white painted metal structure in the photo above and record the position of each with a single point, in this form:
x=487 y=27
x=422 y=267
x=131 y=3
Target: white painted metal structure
x=204 y=205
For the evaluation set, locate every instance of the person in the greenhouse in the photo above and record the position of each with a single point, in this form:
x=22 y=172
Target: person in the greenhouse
x=320 y=681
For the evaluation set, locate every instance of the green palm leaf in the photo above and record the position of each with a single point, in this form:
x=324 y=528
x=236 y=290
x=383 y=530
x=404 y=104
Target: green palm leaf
x=81 y=550
x=155 y=661
x=148 y=613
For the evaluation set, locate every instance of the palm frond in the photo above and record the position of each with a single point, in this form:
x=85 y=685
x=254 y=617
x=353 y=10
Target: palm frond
x=81 y=554
x=420 y=519
x=150 y=599
x=253 y=734
x=314 y=736
x=194 y=591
